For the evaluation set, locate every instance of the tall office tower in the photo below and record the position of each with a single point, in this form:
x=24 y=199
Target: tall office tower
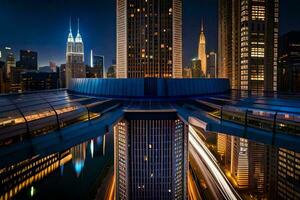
x=28 y=60
x=212 y=65
x=249 y=165
x=97 y=64
x=10 y=64
x=248 y=43
x=287 y=176
x=74 y=56
x=239 y=168
x=149 y=38
x=151 y=156
x=289 y=62
x=202 y=51
x=224 y=149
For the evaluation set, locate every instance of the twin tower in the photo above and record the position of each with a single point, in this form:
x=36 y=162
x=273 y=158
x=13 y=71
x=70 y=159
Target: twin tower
x=75 y=47
x=74 y=56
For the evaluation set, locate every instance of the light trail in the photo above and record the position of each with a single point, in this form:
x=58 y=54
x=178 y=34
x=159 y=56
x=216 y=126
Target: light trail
x=222 y=183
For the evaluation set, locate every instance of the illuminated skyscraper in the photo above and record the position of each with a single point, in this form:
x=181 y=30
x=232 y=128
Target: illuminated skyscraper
x=151 y=156
x=149 y=38
x=248 y=43
x=202 y=51
x=212 y=65
x=74 y=56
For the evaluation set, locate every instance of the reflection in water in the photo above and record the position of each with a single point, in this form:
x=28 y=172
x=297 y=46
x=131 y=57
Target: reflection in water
x=79 y=156
x=16 y=177
x=257 y=170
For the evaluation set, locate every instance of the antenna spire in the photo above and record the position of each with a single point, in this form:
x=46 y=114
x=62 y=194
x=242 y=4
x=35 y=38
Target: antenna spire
x=202 y=25
x=70 y=24
x=78 y=25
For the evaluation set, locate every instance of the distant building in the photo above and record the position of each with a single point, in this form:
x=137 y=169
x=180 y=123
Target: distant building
x=248 y=43
x=97 y=65
x=75 y=67
x=196 y=68
x=10 y=64
x=289 y=62
x=187 y=72
x=2 y=77
x=62 y=75
x=4 y=52
x=149 y=39
x=16 y=79
x=53 y=66
x=32 y=81
x=212 y=65
x=202 y=51
x=28 y=60
x=111 y=71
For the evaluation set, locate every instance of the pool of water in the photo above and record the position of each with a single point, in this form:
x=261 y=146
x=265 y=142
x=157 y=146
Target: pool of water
x=74 y=173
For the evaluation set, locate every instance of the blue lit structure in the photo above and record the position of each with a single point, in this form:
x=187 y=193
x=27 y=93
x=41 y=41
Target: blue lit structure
x=271 y=119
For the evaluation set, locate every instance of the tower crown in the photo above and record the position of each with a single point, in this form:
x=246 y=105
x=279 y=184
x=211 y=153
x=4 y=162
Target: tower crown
x=78 y=38
x=70 y=36
x=202 y=35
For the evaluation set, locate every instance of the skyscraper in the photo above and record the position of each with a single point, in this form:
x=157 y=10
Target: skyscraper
x=202 y=51
x=248 y=43
x=212 y=65
x=149 y=38
x=74 y=56
x=289 y=62
x=28 y=60
x=151 y=156
x=97 y=65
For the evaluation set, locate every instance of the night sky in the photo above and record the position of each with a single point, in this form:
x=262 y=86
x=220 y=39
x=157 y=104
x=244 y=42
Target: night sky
x=43 y=26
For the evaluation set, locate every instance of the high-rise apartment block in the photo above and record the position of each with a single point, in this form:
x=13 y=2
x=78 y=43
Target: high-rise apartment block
x=149 y=39
x=248 y=43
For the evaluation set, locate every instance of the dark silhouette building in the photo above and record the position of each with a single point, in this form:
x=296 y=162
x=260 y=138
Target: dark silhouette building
x=39 y=81
x=28 y=60
x=289 y=62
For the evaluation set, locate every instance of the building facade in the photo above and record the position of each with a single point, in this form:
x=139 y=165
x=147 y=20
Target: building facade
x=149 y=39
x=75 y=67
x=97 y=65
x=248 y=43
x=289 y=62
x=212 y=65
x=151 y=157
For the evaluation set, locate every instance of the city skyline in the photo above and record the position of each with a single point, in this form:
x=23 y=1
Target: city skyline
x=49 y=29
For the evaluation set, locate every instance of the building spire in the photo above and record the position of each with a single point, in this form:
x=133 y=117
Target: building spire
x=70 y=36
x=202 y=25
x=78 y=25
x=70 y=24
